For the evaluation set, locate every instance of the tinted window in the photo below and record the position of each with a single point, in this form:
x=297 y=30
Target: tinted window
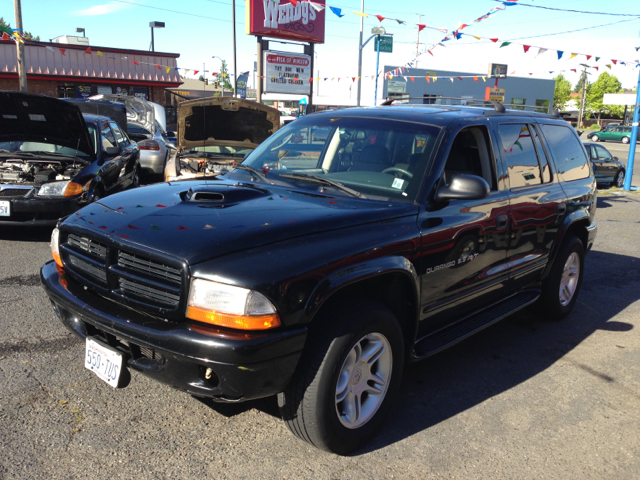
x=120 y=138
x=603 y=154
x=108 y=138
x=522 y=161
x=567 y=152
x=542 y=156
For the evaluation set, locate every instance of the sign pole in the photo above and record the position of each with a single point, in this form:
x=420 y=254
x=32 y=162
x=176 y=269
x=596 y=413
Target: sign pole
x=634 y=139
x=309 y=50
x=22 y=68
x=360 y=52
x=375 y=98
x=260 y=72
x=235 y=69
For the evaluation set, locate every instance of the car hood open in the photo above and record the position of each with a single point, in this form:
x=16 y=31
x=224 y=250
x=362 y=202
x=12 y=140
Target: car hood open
x=139 y=111
x=26 y=117
x=116 y=111
x=225 y=122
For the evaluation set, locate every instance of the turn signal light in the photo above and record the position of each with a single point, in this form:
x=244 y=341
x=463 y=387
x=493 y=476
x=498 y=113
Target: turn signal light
x=241 y=322
x=73 y=189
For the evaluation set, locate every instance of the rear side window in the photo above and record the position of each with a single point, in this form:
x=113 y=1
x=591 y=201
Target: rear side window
x=567 y=152
x=522 y=160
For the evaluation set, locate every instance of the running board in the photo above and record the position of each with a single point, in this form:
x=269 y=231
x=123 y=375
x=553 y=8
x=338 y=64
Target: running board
x=447 y=336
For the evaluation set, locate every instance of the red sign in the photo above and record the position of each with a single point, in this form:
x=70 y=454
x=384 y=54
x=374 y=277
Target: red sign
x=271 y=18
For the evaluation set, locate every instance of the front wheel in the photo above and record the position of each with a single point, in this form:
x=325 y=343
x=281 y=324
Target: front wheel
x=625 y=140
x=595 y=138
x=346 y=379
x=619 y=180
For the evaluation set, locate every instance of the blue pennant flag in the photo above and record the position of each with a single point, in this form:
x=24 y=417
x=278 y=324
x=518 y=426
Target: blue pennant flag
x=560 y=54
x=337 y=11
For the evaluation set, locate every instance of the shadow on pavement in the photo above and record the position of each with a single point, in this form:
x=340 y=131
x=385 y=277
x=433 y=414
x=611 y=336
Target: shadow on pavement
x=25 y=234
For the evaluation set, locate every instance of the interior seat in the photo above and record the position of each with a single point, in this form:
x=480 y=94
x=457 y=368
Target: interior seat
x=373 y=158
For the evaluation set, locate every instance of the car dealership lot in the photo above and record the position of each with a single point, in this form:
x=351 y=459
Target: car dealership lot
x=526 y=398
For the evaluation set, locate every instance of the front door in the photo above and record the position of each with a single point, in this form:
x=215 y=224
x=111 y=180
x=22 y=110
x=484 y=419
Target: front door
x=606 y=168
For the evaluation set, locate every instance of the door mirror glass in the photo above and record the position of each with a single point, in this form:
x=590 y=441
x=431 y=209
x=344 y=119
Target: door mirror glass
x=112 y=151
x=463 y=187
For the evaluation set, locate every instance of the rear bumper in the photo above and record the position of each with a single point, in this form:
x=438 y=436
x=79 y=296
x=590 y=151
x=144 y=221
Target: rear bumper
x=38 y=212
x=244 y=366
x=152 y=162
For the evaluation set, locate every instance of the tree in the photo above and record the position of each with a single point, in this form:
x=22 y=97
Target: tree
x=26 y=35
x=583 y=78
x=562 y=93
x=223 y=77
x=604 y=84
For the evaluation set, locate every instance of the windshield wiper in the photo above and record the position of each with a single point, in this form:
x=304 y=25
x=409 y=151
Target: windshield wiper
x=253 y=171
x=322 y=181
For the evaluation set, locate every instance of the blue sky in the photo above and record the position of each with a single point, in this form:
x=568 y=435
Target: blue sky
x=199 y=29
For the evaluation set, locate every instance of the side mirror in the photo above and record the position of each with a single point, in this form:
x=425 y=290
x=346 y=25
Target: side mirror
x=615 y=159
x=463 y=187
x=112 y=151
x=171 y=134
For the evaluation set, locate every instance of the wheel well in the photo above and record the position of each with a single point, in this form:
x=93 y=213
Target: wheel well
x=579 y=229
x=393 y=290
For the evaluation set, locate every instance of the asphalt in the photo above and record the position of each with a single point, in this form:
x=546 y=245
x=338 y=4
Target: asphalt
x=525 y=398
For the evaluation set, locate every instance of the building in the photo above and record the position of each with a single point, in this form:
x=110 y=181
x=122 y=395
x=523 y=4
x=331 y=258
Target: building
x=517 y=90
x=74 y=69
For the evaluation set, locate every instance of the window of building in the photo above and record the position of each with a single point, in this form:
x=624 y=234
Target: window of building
x=542 y=103
x=518 y=101
x=568 y=156
x=522 y=161
x=432 y=99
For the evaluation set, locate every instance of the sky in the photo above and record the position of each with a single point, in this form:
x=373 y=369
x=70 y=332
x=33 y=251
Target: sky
x=200 y=29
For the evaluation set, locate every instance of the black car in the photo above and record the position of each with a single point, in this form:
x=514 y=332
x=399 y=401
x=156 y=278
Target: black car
x=54 y=160
x=322 y=264
x=607 y=168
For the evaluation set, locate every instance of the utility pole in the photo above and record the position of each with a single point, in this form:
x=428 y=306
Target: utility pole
x=360 y=52
x=235 y=70
x=584 y=90
x=418 y=40
x=22 y=68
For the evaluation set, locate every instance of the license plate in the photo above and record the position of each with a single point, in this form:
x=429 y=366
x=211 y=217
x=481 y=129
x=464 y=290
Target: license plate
x=5 y=208
x=104 y=361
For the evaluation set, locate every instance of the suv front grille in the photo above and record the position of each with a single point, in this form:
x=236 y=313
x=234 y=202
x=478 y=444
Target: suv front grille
x=138 y=281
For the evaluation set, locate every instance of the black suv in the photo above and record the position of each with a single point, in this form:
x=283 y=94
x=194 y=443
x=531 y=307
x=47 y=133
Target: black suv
x=347 y=244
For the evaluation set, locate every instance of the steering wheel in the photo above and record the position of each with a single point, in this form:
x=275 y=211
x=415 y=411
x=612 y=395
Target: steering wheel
x=400 y=170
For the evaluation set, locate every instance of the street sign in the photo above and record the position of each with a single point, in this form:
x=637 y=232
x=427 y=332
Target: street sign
x=378 y=31
x=496 y=94
x=386 y=44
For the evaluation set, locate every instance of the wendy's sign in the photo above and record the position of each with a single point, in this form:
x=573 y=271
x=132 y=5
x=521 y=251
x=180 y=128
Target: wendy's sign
x=282 y=19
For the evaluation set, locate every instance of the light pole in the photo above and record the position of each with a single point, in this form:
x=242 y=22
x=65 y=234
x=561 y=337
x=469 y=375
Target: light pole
x=215 y=56
x=81 y=30
x=634 y=139
x=235 y=72
x=154 y=25
x=360 y=47
x=377 y=31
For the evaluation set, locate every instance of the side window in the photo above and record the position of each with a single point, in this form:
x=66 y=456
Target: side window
x=522 y=160
x=108 y=138
x=542 y=155
x=120 y=138
x=471 y=154
x=603 y=154
x=567 y=152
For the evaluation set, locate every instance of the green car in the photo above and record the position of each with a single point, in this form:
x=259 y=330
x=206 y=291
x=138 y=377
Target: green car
x=618 y=133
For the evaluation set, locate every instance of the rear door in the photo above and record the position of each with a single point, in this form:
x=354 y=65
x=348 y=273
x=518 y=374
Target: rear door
x=606 y=168
x=111 y=166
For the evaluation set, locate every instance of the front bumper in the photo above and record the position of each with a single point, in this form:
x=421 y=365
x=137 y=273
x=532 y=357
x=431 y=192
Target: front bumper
x=39 y=211
x=592 y=231
x=245 y=365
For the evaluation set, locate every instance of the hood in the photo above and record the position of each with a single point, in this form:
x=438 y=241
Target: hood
x=114 y=110
x=225 y=122
x=26 y=117
x=139 y=111
x=198 y=221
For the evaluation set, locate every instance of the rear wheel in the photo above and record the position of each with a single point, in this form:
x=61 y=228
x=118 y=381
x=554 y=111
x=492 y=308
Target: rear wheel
x=595 y=138
x=346 y=379
x=619 y=180
x=625 y=140
x=561 y=288
x=135 y=181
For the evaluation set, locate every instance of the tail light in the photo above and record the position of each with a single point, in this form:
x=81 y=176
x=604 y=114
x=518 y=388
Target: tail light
x=149 y=145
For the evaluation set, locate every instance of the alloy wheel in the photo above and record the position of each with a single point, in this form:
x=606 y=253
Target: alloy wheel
x=569 y=280
x=620 y=180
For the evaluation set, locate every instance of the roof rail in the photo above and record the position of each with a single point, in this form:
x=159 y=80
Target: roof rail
x=477 y=102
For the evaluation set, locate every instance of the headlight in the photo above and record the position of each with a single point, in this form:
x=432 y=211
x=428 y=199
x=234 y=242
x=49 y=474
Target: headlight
x=60 y=189
x=55 y=250
x=229 y=306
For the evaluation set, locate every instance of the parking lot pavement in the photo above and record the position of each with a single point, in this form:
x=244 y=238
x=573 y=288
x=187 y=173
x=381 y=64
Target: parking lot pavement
x=526 y=398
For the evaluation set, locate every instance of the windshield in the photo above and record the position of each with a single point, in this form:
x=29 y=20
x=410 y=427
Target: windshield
x=379 y=158
x=241 y=151
x=28 y=147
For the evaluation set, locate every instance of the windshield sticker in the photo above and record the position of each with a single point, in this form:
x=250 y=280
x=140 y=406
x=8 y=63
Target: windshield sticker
x=397 y=183
x=37 y=118
x=12 y=117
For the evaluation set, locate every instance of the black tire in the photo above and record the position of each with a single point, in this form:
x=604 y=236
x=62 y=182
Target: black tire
x=135 y=180
x=625 y=140
x=550 y=304
x=618 y=181
x=595 y=138
x=309 y=404
x=97 y=194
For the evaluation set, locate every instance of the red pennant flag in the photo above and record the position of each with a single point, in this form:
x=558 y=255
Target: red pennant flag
x=195 y=72
x=62 y=50
x=421 y=27
x=463 y=26
x=430 y=52
x=460 y=78
x=588 y=57
x=380 y=17
x=531 y=74
x=158 y=67
x=88 y=50
x=133 y=61
x=596 y=68
x=412 y=79
x=526 y=48
x=294 y=2
x=573 y=69
x=428 y=80
x=353 y=78
x=5 y=36
x=310 y=79
x=614 y=61
x=475 y=78
x=494 y=40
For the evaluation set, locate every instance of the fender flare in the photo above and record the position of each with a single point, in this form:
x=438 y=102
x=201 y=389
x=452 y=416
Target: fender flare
x=579 y=216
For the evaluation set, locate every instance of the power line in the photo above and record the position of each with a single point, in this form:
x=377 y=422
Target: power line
x=568 y=10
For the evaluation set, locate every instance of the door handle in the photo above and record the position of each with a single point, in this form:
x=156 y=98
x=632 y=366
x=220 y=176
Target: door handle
x=502 y=221
x=562 y=208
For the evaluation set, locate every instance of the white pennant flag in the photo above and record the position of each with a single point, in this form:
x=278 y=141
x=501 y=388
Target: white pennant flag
x=451 y=80
x=540 y=52
x=316 y=6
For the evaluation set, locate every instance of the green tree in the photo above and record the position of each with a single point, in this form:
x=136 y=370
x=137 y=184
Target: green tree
x=581 y=81
x=562 y=92
x=604 y=84
x=223 y=78
x=25 y=34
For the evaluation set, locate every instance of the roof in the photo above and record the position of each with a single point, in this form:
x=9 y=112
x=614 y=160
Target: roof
x=61 y=61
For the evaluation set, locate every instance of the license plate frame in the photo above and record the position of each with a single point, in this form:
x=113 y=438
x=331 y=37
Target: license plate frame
x=5 y=208
x=104 y=361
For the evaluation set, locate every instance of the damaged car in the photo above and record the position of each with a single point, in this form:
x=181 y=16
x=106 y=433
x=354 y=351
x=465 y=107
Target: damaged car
x=54 y=159
x=215 y=134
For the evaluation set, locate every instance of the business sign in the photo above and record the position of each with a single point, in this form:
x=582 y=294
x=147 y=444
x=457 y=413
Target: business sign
x=386 y=44
x=84 y=91
x=496 y=94
x=241 y=85
x=292 y=21
x=497 y=70
x=396 y=86
x=141 y=92
x=287 y=72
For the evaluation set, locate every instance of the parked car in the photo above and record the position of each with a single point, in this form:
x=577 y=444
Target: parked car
x=316 y=277
x=617 y=133
x=285 y=118
x=234 y=128
x=607 y=168
x=146 y=126
x=54 y=160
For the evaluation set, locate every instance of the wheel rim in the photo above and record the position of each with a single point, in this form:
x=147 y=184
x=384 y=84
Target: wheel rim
x=595 y=138
x=620 y=179
x=569 y=281
x=363 y=380
x=625 y=140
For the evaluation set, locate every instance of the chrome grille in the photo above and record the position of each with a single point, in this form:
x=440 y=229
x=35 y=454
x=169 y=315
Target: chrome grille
x=150 y=294
x=143 y=265
x=86 y=267
x=88 y=245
